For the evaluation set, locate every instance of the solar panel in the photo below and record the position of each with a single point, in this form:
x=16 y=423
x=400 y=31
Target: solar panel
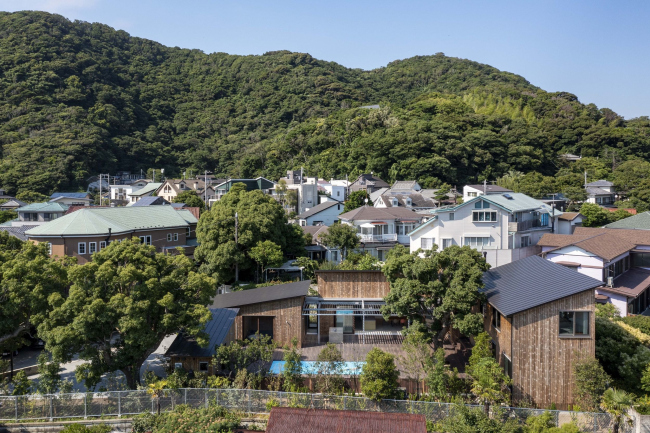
x=508 y=196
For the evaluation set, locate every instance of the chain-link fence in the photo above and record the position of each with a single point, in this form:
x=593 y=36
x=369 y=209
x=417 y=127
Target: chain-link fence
x=128 y=403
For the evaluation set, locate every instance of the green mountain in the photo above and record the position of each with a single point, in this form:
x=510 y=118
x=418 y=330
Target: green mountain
x=78 y=98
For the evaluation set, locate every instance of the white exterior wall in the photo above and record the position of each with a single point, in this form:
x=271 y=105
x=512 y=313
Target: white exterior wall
x=326 y=217
x=73 y=201
x=590 y=264
x=619 y=301
x=127 y=189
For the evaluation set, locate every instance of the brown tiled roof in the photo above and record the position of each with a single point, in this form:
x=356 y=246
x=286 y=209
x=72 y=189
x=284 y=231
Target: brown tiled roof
x=628 y=210
x=417 y=200
x=606 y=244
x=632 y=283
x=637 y=237
x=297 y=420
x=369 y=213
x=315 y=232
x=568 y=216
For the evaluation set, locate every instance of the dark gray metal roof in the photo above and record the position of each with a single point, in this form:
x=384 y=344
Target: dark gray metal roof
x=263 y=294
x=530 y=282
x=217 y=329
x=319 y=208
x=150 y=201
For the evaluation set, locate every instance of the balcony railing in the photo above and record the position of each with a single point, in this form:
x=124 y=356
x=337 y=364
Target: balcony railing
x=525 y=225
x=378 y=238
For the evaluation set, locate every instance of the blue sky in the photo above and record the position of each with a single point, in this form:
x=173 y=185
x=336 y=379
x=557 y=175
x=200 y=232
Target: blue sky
x=598 y=50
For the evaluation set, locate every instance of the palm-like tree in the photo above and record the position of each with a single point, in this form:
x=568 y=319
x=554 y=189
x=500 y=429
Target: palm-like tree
x=617 y=403
x=157 y=390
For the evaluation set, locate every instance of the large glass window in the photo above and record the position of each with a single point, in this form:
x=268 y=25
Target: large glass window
x=496 y=319
x=484 y=216
x=427 y=243
x=525 y=241
x=446 y=243
x=476 y=242
x=574 y=323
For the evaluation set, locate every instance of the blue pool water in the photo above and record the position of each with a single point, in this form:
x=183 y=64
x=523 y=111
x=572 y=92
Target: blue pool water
x=309 y=367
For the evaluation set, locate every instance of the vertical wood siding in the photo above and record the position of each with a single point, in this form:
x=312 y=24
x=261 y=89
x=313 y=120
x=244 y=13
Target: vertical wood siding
x=542 y=361
x=288 y=321
x=352 y=284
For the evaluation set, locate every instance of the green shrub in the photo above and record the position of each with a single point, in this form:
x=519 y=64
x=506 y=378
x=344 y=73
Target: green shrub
x=80 y=428
x=642 y=323
x=143 y=423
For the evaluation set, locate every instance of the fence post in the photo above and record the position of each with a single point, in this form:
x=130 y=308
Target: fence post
x=119 y=404
x=16 y=402
x=248 y=392
x=86 y=405
x=345 y=399
x=217 y=393
x=185 y=396
x=206 y=398
x=152 y=412
x=51 y=409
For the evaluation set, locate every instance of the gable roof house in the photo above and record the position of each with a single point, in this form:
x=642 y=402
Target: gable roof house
x=11 y=204
x=171 y=188
x=380 y=230
x=541 y=318
x=568 y=221
x=325 y=213
x=601 y=192
x=640 y=221
x=88 y=230
x=145 y=191
x=504 y=227
x=72 y=198
x=368 y=182
x=260 y=183
x=39 y=213
x=618 y=258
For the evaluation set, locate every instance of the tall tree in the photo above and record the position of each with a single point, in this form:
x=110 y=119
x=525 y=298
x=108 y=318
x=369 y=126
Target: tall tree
x=357 y=199
x=441 y=287
x=617 y=403
x=594 y=215
x=190 y=198
x=259 y=218
x=267 y=254
x=120 y=307
x=490 y=383
x=379 y=376
x=342 y=237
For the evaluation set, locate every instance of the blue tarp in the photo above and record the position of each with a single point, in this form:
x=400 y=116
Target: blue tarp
x=309 y=367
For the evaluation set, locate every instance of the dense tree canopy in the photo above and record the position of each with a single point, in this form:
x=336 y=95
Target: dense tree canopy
x=120 y=307
x=81 y=98
x=259 y=218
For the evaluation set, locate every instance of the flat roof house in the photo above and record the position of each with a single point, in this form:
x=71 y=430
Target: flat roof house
x=39 y=213
x=541 y=317
x=88 y=230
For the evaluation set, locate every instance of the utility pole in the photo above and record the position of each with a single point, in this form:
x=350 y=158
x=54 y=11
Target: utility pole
x=236 y=263
x=585 y=178
x=205 y=189
x=485 y=187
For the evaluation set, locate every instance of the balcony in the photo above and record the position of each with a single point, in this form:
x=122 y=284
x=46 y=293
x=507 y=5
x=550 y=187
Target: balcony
x=378 y=238
x=523 y=226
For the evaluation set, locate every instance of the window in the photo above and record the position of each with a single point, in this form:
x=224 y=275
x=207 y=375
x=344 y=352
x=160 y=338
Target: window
x=203 y=366
x=446 y=243
x=496 y=319
x=525 y=241
x=478 y=205
x=404 y=229
x=189 y=232
x=49 y=248
x=486 y=205
x=338 y=193
x=92 y=247
x=178 y=366
x=451 y=216
x=81 y=248
x=617 y=268
x=102 y=245
x=574 y=323
x=145 y=240
x=169 y=237
x=175 y=236
x=46 y=217
x=484 y=216
x=471 y=194
x=335 y=256
x=483 y=308
x=427 y=243
x=507 y=365
x=476 y=242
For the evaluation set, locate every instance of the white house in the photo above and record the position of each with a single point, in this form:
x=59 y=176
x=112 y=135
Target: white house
x=620 y=258
x=120 y=193
x=505 y=227
x=145 y=191
x=326 y=214
x=336 y=189
x=380 y=230
x=473 y=191
x=72 y=198
x=306 y=189
x=568 y=221
x=601 y=192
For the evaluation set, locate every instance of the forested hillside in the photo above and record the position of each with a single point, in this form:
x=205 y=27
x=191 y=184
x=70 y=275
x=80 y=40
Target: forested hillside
x=77 y=99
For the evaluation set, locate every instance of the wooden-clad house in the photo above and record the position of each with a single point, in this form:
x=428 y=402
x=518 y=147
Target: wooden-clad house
x=541 y=317
x=185 y=352
x=274 y=311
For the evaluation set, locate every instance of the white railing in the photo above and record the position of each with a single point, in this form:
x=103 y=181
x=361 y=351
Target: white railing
x=378 y=238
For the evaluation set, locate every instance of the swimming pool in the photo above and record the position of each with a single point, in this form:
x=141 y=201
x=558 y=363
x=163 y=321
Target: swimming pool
x=309 y=367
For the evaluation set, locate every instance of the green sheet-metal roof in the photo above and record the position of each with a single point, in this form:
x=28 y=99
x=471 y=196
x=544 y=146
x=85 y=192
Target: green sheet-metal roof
x=95 y=222
x=146 y=190
x=639 y=222
x=512 y=202
x=43 y=207
x=187 y=216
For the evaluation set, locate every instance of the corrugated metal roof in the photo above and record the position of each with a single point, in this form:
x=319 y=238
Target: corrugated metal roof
x=263 y=294
x=149 y=201
x=518 y=202
x=217 y=329
x=369 y=213
x=530 y=282
x=298 y=420
x=601 y=183
x=146 y=190
x=70 y=194
x=43 y=207
x=637 y=222
x=96 y=221
x=490 y=188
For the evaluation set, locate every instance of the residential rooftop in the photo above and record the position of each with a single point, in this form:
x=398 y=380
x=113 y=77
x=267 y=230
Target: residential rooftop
x=370 y=213
x=43 y=207
x=146 y=190
x=319 y=208
x=263 y=294
x=69 y=195
x=97 y=221
x=531 y=282
x=640 y=221
x=216 y=329
x=489 y=188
